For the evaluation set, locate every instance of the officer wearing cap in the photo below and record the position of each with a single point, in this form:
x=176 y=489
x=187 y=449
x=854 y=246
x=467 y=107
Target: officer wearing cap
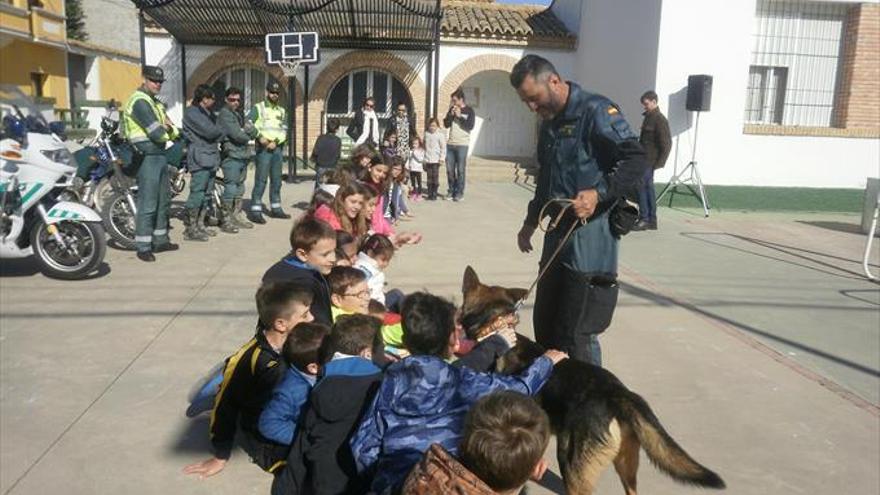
x=587 y=154
x=270 y=119
x=149 y=130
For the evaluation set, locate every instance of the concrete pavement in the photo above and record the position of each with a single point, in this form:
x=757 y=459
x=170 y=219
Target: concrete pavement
x=752 y=336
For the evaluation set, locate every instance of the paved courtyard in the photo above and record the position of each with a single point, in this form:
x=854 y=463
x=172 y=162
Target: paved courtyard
x=754 y=337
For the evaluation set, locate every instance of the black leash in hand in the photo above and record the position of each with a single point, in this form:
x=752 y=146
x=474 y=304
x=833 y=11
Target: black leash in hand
x=552 y=225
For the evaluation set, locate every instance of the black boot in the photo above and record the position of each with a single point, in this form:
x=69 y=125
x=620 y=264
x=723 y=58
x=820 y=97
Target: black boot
x=146 y=256
x=278 y=213
x=238 y=217
x=203 y=213
x=227 y=224
x=256 y=216
x=641 y=225
x=168 y=246
x=193 y=232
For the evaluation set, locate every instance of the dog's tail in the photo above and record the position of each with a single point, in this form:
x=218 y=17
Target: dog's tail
x=662 y=450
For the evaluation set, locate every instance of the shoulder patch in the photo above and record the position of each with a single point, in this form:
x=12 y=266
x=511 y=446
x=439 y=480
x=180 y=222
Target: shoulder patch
x=613 y=110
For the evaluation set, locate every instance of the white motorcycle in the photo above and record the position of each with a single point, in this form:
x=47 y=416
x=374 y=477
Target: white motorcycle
x=66 y=238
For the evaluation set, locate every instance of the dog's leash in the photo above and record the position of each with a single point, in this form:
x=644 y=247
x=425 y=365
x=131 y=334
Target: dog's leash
x=568 y=203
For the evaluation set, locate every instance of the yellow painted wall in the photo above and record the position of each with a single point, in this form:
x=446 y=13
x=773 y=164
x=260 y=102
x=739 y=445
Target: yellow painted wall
x=118 y=78
x=54 y=6
x=47 y=27
x=19 y=58
x=16 y=22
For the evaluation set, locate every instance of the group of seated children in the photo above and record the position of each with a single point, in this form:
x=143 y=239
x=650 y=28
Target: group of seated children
x=337 y=395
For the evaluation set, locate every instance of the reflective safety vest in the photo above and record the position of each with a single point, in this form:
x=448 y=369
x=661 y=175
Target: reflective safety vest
x=271 y=122
x=130 y=127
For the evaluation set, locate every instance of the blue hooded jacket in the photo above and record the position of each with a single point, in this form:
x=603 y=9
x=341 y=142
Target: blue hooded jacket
x=423 y=400
x=279 y=417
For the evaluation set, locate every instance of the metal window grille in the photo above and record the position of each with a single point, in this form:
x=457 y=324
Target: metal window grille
x=251 y=81
x=349 y=92
x=795 y=62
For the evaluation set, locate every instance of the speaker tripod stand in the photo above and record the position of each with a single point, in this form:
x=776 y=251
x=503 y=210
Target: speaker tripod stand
x=689 y=176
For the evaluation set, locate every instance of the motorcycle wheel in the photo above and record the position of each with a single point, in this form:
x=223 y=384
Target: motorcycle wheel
x=119 y=220
x=217 y=200
x=86 y=240
x=103 y=192
x=177 y=180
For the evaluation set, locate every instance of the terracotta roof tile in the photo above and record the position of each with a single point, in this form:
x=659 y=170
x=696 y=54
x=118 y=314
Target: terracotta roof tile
x=475 y=18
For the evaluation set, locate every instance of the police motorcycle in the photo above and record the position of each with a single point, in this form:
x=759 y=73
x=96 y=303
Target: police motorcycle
x=66 y=238
x=109 y=187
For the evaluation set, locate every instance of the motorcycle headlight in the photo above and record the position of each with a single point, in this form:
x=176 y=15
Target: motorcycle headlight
x=61 y=155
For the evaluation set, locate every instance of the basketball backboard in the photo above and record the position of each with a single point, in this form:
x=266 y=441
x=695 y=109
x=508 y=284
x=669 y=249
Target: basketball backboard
x=299 y=48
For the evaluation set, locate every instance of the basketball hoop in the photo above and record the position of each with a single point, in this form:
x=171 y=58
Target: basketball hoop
x=288 y=67
x=289 y=50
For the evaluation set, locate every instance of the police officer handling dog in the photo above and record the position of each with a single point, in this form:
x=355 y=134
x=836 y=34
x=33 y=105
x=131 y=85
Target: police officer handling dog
x=270 y=119
x=587 y=154
x=149 y=130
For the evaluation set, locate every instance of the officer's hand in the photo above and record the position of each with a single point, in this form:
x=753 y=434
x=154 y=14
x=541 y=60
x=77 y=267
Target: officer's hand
x=264 y=141
x=206 y=468
x=271 y=146
x=585 y=203
x=555 y=355
x=524 y=238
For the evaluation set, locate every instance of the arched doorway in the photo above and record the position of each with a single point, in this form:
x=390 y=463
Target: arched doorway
x=349 y=92
x=251 y=80
x=505 y=127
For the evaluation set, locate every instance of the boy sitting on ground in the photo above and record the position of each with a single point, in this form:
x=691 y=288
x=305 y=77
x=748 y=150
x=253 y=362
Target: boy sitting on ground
x=350 y=294
x=279 y=418
x=423 y=400
x=249 y=377
x=312 y=256
x=320 y=461
x=502 y=445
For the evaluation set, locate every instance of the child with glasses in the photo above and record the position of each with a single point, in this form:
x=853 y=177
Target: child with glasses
x=350 y=294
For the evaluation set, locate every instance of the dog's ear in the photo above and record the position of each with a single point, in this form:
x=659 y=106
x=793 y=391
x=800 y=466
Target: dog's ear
x=517 y=294
x=471 y=281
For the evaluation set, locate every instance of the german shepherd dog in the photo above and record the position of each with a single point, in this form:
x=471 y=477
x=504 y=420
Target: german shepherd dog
x=596 y=419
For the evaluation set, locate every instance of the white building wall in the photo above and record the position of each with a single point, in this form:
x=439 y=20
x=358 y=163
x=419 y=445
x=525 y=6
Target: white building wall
x=714 y=37
x=617 y=51
x=165 y=52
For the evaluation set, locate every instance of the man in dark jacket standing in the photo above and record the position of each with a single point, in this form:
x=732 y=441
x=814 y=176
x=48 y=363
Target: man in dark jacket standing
x=328 y=148
x=589 y=155
x=236 y=154
x=655 y=139
x=203 y=137
x=460 y=120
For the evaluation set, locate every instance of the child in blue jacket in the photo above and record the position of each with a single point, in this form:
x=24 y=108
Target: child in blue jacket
x=320 y=462
x=423 y=399
x=279 y=418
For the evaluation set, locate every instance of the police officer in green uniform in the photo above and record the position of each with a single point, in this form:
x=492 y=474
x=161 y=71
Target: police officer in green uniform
x=236 y=154
x=588 y=154
x=270 y=119
x=148 y=129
